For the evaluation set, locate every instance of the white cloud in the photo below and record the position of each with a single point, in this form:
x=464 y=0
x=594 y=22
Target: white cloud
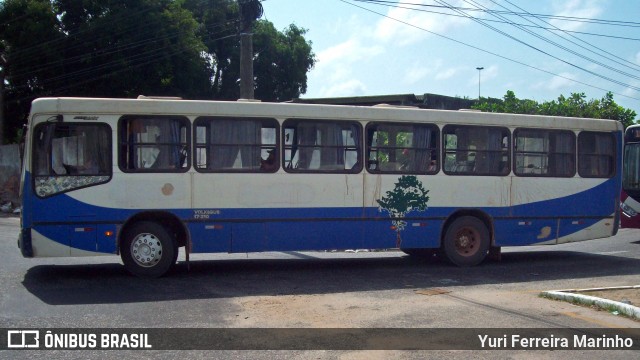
x=559 y=82
x=334 y=71
x=348 y=67
x=576 y=8
x=416 y=74
x=446 y=74
x=339 y=26
x=630 y=92
x=352 y=87
x=638 y=58
x=349 y=52
x=405 y=25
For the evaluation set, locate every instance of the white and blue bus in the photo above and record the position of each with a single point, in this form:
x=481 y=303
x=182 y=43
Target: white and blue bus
x=144 y=177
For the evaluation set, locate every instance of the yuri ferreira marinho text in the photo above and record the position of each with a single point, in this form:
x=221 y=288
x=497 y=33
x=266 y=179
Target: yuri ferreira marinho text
x=515 y=341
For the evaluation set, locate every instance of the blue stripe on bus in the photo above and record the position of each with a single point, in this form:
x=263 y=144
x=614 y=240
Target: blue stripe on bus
x=282 y=229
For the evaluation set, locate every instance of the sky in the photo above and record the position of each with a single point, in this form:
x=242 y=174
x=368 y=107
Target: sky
x=538 y=49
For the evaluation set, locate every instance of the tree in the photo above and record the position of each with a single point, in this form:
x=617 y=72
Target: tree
x=124 y=49
x=219 y=22
x=30 y=39
x=112 y=48
x=408 y=195
x=282 y=60
x=575 y=105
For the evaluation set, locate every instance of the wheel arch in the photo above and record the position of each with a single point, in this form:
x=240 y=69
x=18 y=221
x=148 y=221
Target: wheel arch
x=166 y=219
x=477 y=213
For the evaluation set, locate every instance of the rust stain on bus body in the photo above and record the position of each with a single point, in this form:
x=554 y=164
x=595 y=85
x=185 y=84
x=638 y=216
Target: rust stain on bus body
x=167 y=189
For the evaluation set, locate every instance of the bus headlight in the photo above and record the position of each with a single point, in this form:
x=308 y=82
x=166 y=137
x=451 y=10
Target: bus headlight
x=627 y=210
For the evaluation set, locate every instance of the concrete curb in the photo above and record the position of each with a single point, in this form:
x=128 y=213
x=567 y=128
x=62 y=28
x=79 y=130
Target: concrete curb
x=571 y=295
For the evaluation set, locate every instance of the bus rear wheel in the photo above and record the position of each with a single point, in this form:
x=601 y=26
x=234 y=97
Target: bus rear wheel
x=148 y=250
x=466 y=241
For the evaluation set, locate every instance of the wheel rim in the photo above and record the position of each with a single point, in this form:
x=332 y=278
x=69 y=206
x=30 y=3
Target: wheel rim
x=146 y=250
x=467 y=241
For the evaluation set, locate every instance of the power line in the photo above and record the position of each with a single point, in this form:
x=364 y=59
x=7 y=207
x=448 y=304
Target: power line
x=75 y=31
x=400 y=6
x=512 y=37
x=482 y=50
x=118 y=48
x=113 y=65
x=610 y=57
x=635 y=66
x=555 y=17
x=145 y=61
x=565 y=48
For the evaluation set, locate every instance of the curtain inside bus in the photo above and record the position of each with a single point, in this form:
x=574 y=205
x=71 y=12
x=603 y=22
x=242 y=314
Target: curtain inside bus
x=235 y=144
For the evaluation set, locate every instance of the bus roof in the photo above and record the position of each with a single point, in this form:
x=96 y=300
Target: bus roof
x=196 y=108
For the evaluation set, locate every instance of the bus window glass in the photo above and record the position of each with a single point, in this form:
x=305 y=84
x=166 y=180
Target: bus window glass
x=69 y=156
x=541 y=152
x=596 y=154
x=321 y=146
x=476 y=150
x=402 y=148
x=632 y=135
x=236 y=144
x=631 y=170
x=154 y=144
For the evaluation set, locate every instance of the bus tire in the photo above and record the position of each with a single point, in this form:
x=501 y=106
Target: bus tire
x=466 y=241
x=148 y=250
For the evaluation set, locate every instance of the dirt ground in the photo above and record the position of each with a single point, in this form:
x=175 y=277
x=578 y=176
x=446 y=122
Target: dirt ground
x=628 y=296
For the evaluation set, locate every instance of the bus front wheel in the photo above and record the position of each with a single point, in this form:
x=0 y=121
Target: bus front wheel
x=148 y=250
x=466 y=241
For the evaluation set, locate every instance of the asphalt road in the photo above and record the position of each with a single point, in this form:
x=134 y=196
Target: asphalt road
x=317 y=290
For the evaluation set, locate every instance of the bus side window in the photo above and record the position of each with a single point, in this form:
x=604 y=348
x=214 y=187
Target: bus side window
x=402 y=148
x=542 y=152
x=236 y=144
x=596 y=154
x=322 y=146
x=476 y=150
x=154 y=143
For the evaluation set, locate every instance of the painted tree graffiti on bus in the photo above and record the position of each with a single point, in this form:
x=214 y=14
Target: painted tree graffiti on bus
x=408 y=195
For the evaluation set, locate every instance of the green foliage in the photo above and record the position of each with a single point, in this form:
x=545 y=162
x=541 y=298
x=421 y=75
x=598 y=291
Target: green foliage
x=575 y=105
x=408 y=195
x=283 y=60
x=111 y=48
x=218 y=24
x=383 y=140
x=30 y=37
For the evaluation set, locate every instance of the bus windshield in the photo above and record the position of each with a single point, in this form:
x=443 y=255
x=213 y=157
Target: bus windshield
x=631 y=172
x=70 y=156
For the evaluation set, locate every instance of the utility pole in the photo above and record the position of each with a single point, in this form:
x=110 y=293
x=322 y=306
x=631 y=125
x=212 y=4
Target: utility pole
x=250 y=10
x=3 y=63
